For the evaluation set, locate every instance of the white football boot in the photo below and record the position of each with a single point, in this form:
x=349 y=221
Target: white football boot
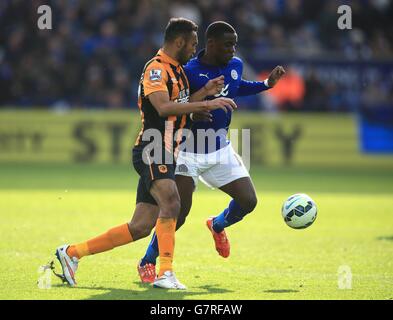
x=68 y=264
x=168 y=281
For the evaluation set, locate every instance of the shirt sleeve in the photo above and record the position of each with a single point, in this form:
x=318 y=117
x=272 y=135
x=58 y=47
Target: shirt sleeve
x=155 y=78
x=248 y=88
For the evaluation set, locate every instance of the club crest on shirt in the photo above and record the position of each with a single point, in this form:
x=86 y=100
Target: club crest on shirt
x=155 y=74
x=234 y=74
x=163 y=168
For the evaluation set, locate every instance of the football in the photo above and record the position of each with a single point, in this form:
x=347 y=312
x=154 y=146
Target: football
x=299 y=211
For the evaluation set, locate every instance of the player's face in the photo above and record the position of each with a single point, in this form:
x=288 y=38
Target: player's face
x=225 y=47
x=188 y=49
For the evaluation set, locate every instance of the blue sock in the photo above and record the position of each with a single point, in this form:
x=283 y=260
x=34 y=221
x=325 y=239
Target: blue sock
x=151 y=252
x=234 y=213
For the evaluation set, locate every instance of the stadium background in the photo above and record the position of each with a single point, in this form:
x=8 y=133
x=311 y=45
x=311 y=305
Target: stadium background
x=68 y=119
x=93 y=57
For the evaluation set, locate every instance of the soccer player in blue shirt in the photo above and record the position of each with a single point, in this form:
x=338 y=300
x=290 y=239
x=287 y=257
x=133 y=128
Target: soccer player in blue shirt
x=199 y=159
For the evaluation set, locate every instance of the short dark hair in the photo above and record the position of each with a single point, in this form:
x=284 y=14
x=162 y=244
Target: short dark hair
x=179 y=27
x=217 y=29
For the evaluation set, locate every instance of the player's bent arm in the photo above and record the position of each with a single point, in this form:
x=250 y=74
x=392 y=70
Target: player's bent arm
x=200 y=95
x=247 y=88
x=211 y=88
x=165 y=107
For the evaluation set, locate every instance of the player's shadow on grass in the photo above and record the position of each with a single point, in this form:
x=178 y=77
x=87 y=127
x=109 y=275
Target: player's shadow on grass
x=151 y=293
x=281 y=291
x=386 y=238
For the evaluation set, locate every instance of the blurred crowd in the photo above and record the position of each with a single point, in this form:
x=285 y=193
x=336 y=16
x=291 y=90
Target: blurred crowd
x=96 y=50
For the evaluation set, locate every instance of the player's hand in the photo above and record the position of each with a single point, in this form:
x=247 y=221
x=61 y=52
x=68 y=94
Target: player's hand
x=214 y=86
x=204 y=116
x=225 y=104
x=275 y=75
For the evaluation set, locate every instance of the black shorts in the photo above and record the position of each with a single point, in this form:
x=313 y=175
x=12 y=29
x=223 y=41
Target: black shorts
x=150 y=171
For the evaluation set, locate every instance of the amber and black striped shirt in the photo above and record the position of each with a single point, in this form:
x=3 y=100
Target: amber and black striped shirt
x=162 y=73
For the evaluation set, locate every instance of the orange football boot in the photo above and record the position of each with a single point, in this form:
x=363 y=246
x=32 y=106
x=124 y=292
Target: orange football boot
x=147 y=272
x=220 y=239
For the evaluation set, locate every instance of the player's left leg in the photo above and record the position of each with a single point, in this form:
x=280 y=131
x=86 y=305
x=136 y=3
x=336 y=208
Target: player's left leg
x=244 y=201
x=147 y=265
x=231 y=176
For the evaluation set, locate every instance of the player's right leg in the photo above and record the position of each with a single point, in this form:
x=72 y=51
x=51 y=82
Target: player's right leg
x=147 y=265
x=69 y=255
x=142 y=223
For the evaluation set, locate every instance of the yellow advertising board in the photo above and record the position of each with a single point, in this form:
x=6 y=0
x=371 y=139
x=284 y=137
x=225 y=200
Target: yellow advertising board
x=108 y=136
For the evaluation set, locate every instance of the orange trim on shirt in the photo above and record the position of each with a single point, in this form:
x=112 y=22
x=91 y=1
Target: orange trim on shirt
x=179 y=134
x=168 y=134
x=138 y=139
x=150 y=167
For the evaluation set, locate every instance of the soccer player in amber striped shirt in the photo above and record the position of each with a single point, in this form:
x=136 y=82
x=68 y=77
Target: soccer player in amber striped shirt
x=164 y=100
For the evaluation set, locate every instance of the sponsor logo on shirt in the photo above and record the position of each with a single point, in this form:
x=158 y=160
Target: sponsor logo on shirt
x=224 y=91
x=183 y=96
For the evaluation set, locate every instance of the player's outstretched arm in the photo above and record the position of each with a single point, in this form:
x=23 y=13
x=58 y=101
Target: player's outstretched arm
x=165 y=107
x=211 y=88
x=248 y=88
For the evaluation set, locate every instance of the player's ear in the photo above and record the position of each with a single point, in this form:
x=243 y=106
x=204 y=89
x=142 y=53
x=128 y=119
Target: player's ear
x=180 y=42
x=209 y=42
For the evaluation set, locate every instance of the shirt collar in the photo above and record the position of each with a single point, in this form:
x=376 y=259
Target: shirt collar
x=167 y=58
x=200 y=54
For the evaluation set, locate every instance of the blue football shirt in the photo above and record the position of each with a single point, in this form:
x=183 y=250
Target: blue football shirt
x=198 y=75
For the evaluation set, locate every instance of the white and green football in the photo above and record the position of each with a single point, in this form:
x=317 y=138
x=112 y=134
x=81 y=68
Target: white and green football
x=299 y=211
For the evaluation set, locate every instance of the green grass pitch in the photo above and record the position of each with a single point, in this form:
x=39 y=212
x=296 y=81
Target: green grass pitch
x=43 y=206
